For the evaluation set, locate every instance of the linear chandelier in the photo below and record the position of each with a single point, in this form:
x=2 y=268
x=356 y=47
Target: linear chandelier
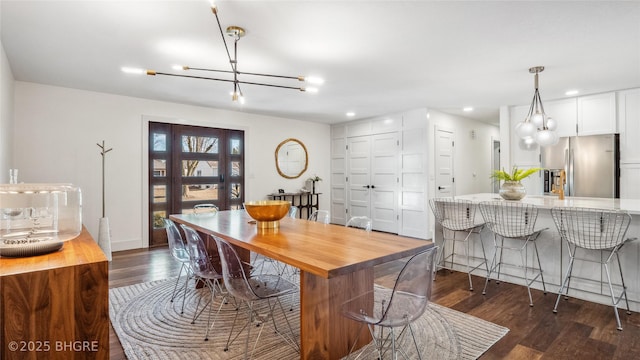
x=237 y=32
x=537 y=127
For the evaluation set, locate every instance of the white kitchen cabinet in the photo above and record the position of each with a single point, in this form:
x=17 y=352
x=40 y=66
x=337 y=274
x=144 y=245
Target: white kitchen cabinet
x=597 y=114
x=629 y=125
x=565 y=113
x=629 y=180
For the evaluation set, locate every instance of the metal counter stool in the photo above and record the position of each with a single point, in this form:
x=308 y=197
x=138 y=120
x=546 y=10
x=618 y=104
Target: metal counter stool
x=457 y=217
x=513 y=221
x=594 y=230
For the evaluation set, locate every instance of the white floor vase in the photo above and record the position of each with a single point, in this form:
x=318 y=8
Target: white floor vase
x=104 y=237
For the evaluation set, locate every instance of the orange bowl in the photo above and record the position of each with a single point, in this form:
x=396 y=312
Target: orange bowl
x=267 y=213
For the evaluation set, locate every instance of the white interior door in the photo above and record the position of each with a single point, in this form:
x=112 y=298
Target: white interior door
x=359 y=175
x=384 y=182
x=444 y=163
x=373 y=179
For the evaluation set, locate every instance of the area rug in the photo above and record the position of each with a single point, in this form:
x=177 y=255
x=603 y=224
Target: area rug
x=150 y=326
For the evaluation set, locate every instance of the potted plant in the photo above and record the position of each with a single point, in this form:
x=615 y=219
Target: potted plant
x=512 y=188
x=313 y=180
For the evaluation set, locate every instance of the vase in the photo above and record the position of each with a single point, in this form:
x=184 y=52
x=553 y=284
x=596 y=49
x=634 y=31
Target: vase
x=512 y=190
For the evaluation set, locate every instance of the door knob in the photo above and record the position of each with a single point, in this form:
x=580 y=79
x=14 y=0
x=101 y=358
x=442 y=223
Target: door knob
x=441 y=188
x=366 y=186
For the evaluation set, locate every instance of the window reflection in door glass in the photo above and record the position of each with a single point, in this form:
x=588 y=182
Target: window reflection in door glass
x=198 y=168
x=235 y=146
x=159 y=167
x=199 y=144
x=197 y=192
x=159 y=142
x=235 y=168
x=235 y=191
x=159 y=193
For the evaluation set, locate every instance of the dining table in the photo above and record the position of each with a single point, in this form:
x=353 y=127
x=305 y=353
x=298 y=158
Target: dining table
x=336 y=264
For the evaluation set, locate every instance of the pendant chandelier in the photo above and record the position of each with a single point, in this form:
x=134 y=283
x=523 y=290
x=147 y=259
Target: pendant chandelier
x=537 y=127
x=237 y=32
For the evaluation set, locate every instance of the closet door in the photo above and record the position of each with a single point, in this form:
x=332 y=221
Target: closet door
x=373 y=179
x=359 y=176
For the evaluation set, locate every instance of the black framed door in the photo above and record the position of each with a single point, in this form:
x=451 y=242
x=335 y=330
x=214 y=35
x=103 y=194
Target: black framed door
x=191 y=165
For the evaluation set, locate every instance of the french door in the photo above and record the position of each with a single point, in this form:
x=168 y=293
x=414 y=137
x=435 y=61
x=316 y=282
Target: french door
x=373 y=179
x=191 y=165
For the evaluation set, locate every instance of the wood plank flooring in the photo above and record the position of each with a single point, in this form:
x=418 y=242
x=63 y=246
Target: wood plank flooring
x=581 y=330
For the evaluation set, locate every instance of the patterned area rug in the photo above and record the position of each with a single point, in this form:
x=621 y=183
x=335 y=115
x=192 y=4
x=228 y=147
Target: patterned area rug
x=150 y=326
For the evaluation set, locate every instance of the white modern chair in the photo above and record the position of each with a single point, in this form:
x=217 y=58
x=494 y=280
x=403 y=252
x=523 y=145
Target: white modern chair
x=205 y=272
x=515 y=222
x=360 y=222
x=254 y=290
x=594 y=231
x=320 y=216
x=179 y=253
x=397 y=308
x=457 y=217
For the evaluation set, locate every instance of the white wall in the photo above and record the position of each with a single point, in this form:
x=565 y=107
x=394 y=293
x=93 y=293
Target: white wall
x=57 y=129
x=472 y=156
x=6 y=117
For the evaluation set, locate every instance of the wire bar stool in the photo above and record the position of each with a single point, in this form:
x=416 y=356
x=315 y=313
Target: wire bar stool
x=458 y=217
x=513 y=221
x=594 y=230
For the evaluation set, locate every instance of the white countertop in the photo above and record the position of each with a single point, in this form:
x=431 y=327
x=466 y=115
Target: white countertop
x=547 y=202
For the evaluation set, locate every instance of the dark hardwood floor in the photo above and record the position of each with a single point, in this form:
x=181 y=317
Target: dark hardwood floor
x=581 y=330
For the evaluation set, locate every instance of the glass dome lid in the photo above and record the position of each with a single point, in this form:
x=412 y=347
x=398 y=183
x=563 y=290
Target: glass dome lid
x=37 y=218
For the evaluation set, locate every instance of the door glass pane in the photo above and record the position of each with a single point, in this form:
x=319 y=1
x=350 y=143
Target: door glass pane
x=159 y=142
x=235 y=146
x=199 y=144
x=195 y=192
x=159 y=193
x=158 y=219
x=235 y=207
x=235 y=191
x=235 y=168
x=197 y=168
x=159 y=168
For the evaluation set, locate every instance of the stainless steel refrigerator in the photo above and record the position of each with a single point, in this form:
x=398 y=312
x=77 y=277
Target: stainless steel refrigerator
x=592 y=165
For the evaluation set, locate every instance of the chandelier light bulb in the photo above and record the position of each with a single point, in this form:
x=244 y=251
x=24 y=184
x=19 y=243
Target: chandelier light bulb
x=546 y=138
x=537 y=119
x=551 y=124
x=525 y=129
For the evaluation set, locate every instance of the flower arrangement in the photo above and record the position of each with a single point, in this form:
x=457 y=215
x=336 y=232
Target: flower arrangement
x=515 y=175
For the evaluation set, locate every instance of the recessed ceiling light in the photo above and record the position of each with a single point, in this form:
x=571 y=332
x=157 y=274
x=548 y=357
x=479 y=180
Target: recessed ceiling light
x=467 y=108
x=351 y=114
x=571 y=92
x=130 y=70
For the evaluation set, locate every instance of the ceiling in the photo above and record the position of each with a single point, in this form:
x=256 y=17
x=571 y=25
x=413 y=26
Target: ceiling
x=377 y=57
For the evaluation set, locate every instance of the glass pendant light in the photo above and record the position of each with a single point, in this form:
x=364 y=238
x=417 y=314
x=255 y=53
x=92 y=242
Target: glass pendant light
x=537 y=126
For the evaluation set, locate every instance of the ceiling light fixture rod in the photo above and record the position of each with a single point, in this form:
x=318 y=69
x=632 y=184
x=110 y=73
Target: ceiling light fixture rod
x=151 y=72
x=299 y=78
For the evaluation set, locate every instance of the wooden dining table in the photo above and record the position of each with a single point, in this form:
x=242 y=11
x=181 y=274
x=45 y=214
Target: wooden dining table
x=335 y=262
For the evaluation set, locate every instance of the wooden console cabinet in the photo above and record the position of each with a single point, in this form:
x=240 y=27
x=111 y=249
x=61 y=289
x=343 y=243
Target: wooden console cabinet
x=56 y=306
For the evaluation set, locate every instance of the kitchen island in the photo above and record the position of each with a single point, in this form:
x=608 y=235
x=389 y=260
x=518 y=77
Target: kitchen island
x=554 y=255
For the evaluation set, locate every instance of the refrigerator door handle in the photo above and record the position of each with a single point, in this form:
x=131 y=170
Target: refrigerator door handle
x=571 y=191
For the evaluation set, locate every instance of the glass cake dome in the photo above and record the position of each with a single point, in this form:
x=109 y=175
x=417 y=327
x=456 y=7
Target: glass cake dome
x=37 y=218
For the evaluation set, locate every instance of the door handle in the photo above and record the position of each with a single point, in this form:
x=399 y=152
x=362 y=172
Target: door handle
x=373 y=186
x=441 y=187
x=366 y=186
